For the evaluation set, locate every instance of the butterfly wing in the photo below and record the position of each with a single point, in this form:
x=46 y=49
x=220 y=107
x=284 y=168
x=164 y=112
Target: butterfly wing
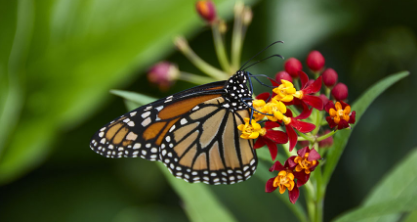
x=140 y=132
x=205 y=146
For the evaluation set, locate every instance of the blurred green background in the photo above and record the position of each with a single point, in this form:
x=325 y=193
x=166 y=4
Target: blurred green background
x=59 y=59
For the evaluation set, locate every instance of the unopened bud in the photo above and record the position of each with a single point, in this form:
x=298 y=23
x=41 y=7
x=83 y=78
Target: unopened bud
x=329 y=77
x=282 y=75
x=207 y=10
x=163 y=74
x=324 y=99
x=315 y=61
x=340 y=91
x=293 y=66
x=247 y=16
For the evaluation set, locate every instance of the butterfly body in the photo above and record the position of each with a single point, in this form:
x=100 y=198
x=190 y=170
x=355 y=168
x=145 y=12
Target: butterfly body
x=194 y=133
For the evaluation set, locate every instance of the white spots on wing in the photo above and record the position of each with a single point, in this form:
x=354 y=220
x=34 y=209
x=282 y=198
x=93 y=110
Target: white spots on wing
x=126 y=120
x=148 y=145
x=171 y=145
x=132 y=136
x=103 y=141
x=183 y=121
x=148 y=108
x=195 y=108
x=146 y=122
x=159 y=108
x=252 y=162
x=137 y=146
x=226 y=105
x=101 y=134
x=145 y=114
x=168 y=139
x=111 y=146
x=132 y=114
x=144 y=152
x=102 y=129
x=172 y=128
x=164 y=152
x=154 y=150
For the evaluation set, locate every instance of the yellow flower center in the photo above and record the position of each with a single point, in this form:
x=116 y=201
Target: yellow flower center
x=304 y=164
x=258 y=105
x=284 y=180
x=284 y=91
x=252 y=130
x=276 y=108
x=340 y=113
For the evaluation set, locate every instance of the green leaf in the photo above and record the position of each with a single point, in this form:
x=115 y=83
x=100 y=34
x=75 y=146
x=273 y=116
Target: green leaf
x=69 y=57
x=395 y=194
x=199 y=201
x=360 y=106
x=138 y=98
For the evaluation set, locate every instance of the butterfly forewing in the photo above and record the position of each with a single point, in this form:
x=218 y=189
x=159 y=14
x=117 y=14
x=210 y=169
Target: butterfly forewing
x=205 y=146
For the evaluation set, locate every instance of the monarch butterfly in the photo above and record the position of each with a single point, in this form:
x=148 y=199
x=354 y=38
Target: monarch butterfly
x=194 y=132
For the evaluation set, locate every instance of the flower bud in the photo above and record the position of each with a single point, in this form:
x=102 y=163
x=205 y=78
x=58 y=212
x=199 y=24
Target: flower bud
x=163 y=74
x=293 y=66
x=340 y=91
x=315 y=61
x=247 y=16
x=329 y=77
x=206 y=10
x=326 y=142
x=324 y=99
x=282 y=75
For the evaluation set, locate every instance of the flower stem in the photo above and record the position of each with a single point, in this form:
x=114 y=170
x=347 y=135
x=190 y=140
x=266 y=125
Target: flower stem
x=326 y=136
x=196 y=79
x=219 y=46
x=183 y=46
x=237 y=38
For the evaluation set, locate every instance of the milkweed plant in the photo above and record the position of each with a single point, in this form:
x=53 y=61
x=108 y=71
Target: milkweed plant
x=306 y=112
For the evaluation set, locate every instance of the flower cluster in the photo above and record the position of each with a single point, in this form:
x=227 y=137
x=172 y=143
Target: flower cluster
x=274 y=123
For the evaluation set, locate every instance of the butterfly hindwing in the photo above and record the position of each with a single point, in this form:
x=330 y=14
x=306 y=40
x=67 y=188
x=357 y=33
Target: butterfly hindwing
x=139 y=133
x=205 y=146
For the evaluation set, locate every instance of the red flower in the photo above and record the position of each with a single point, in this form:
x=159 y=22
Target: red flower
x=293 y=66
x=329 y=77
x=306 y=162
x=340 y=115
x=271 y=138
x=308 y=88
x=340 y=91
x=291 y=123
x=284 y=180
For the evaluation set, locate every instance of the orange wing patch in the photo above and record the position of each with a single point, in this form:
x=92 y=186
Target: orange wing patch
x=183 y=106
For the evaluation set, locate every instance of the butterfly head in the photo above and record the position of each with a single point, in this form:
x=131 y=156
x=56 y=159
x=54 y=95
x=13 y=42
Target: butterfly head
x=237 y=90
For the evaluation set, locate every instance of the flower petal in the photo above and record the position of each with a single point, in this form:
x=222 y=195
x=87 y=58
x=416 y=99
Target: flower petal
x=269 y=185
x=313 y=87
x=303 y=127
x=329 y=105
x=260 y=142
x=331 y=122
x=292 y=136
x=277 y=136
x=313 y=101
x=342 y=124
x=306 y=111
x=314 y=155
x=276 y=167
x=290 y=163
x=294 y=194
x=303 y=79
x=302 y=152
x=264 y=96
x=352 y=117
x=273 y=149
x=270 y=125
x=302 y=178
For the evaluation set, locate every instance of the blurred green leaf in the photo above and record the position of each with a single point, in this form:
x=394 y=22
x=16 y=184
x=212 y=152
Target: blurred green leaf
x=138 y=98
x=396 y=193
x=412 y=217
x=200 y=202
x=79 y=50
x=360 y=106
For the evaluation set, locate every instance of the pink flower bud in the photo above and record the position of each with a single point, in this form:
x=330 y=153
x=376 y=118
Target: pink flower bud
x=163 y=74
x=324 y=99
x=206 y=10
x=293 y=66
x=340 y=91
x=329 y=77
x=326 y=142
x=282 y=75
x=315 y=61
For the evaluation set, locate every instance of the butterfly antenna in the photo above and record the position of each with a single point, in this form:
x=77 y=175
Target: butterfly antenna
x=275 y=55
x=260 y=53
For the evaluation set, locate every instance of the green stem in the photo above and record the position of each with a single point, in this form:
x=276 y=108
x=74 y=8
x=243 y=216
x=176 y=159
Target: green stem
x=309 y=138
x=237 y=38
x=183 y=46
x=317 y=121
x=321 y=188
x=196 y=79
x=220 y=49
x=326 y=136
x=309 y=189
